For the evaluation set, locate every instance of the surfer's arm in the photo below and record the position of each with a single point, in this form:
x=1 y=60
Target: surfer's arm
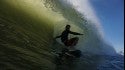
x=58 y=36
x=75 y=33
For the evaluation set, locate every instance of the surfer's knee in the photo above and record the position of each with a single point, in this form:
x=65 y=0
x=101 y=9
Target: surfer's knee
x=76 y=38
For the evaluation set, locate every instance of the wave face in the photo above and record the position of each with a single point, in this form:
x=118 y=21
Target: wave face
x=27 y=28
x=92 y=39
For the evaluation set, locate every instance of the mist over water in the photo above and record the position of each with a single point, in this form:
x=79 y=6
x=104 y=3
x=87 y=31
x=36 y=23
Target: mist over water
x=79 y=21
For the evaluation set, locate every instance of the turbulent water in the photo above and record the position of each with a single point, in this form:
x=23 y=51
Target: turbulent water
x=27 y=29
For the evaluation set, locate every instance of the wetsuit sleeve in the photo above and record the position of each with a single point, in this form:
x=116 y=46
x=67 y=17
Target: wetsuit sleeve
x=75 y=33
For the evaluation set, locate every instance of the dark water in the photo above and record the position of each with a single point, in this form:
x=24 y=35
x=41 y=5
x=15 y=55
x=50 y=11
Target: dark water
x=112 y=63
x=88 y=62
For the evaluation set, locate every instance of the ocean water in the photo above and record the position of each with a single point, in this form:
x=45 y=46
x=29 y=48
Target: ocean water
x=27 y=29
x=112 y=63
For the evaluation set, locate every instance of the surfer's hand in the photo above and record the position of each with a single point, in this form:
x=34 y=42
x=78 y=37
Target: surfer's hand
x=81 y=34
x=56 y=37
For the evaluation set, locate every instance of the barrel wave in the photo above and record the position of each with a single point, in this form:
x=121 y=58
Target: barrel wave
x=27 y=29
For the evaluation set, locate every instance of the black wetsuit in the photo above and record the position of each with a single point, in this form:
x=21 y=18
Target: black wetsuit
x=65 y=33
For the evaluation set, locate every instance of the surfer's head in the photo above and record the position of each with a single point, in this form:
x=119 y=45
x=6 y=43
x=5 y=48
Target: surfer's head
x=68 y=27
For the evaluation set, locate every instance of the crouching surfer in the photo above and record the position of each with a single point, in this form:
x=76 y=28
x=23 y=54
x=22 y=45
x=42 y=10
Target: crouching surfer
x=69 y=42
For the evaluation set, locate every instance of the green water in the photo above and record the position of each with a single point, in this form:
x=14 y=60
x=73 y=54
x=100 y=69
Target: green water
x=24 y=40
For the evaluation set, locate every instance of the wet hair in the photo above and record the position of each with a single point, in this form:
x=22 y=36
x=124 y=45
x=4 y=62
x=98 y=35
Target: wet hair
x=68 y=26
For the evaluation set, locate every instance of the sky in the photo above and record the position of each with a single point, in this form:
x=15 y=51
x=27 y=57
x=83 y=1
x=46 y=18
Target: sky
x=111 y=16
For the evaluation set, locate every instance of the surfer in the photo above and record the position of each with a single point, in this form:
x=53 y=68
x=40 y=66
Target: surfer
x=64 y=37
x=69 y=42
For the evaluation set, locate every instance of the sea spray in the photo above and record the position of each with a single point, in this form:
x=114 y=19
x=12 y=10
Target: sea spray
x=92 y=39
